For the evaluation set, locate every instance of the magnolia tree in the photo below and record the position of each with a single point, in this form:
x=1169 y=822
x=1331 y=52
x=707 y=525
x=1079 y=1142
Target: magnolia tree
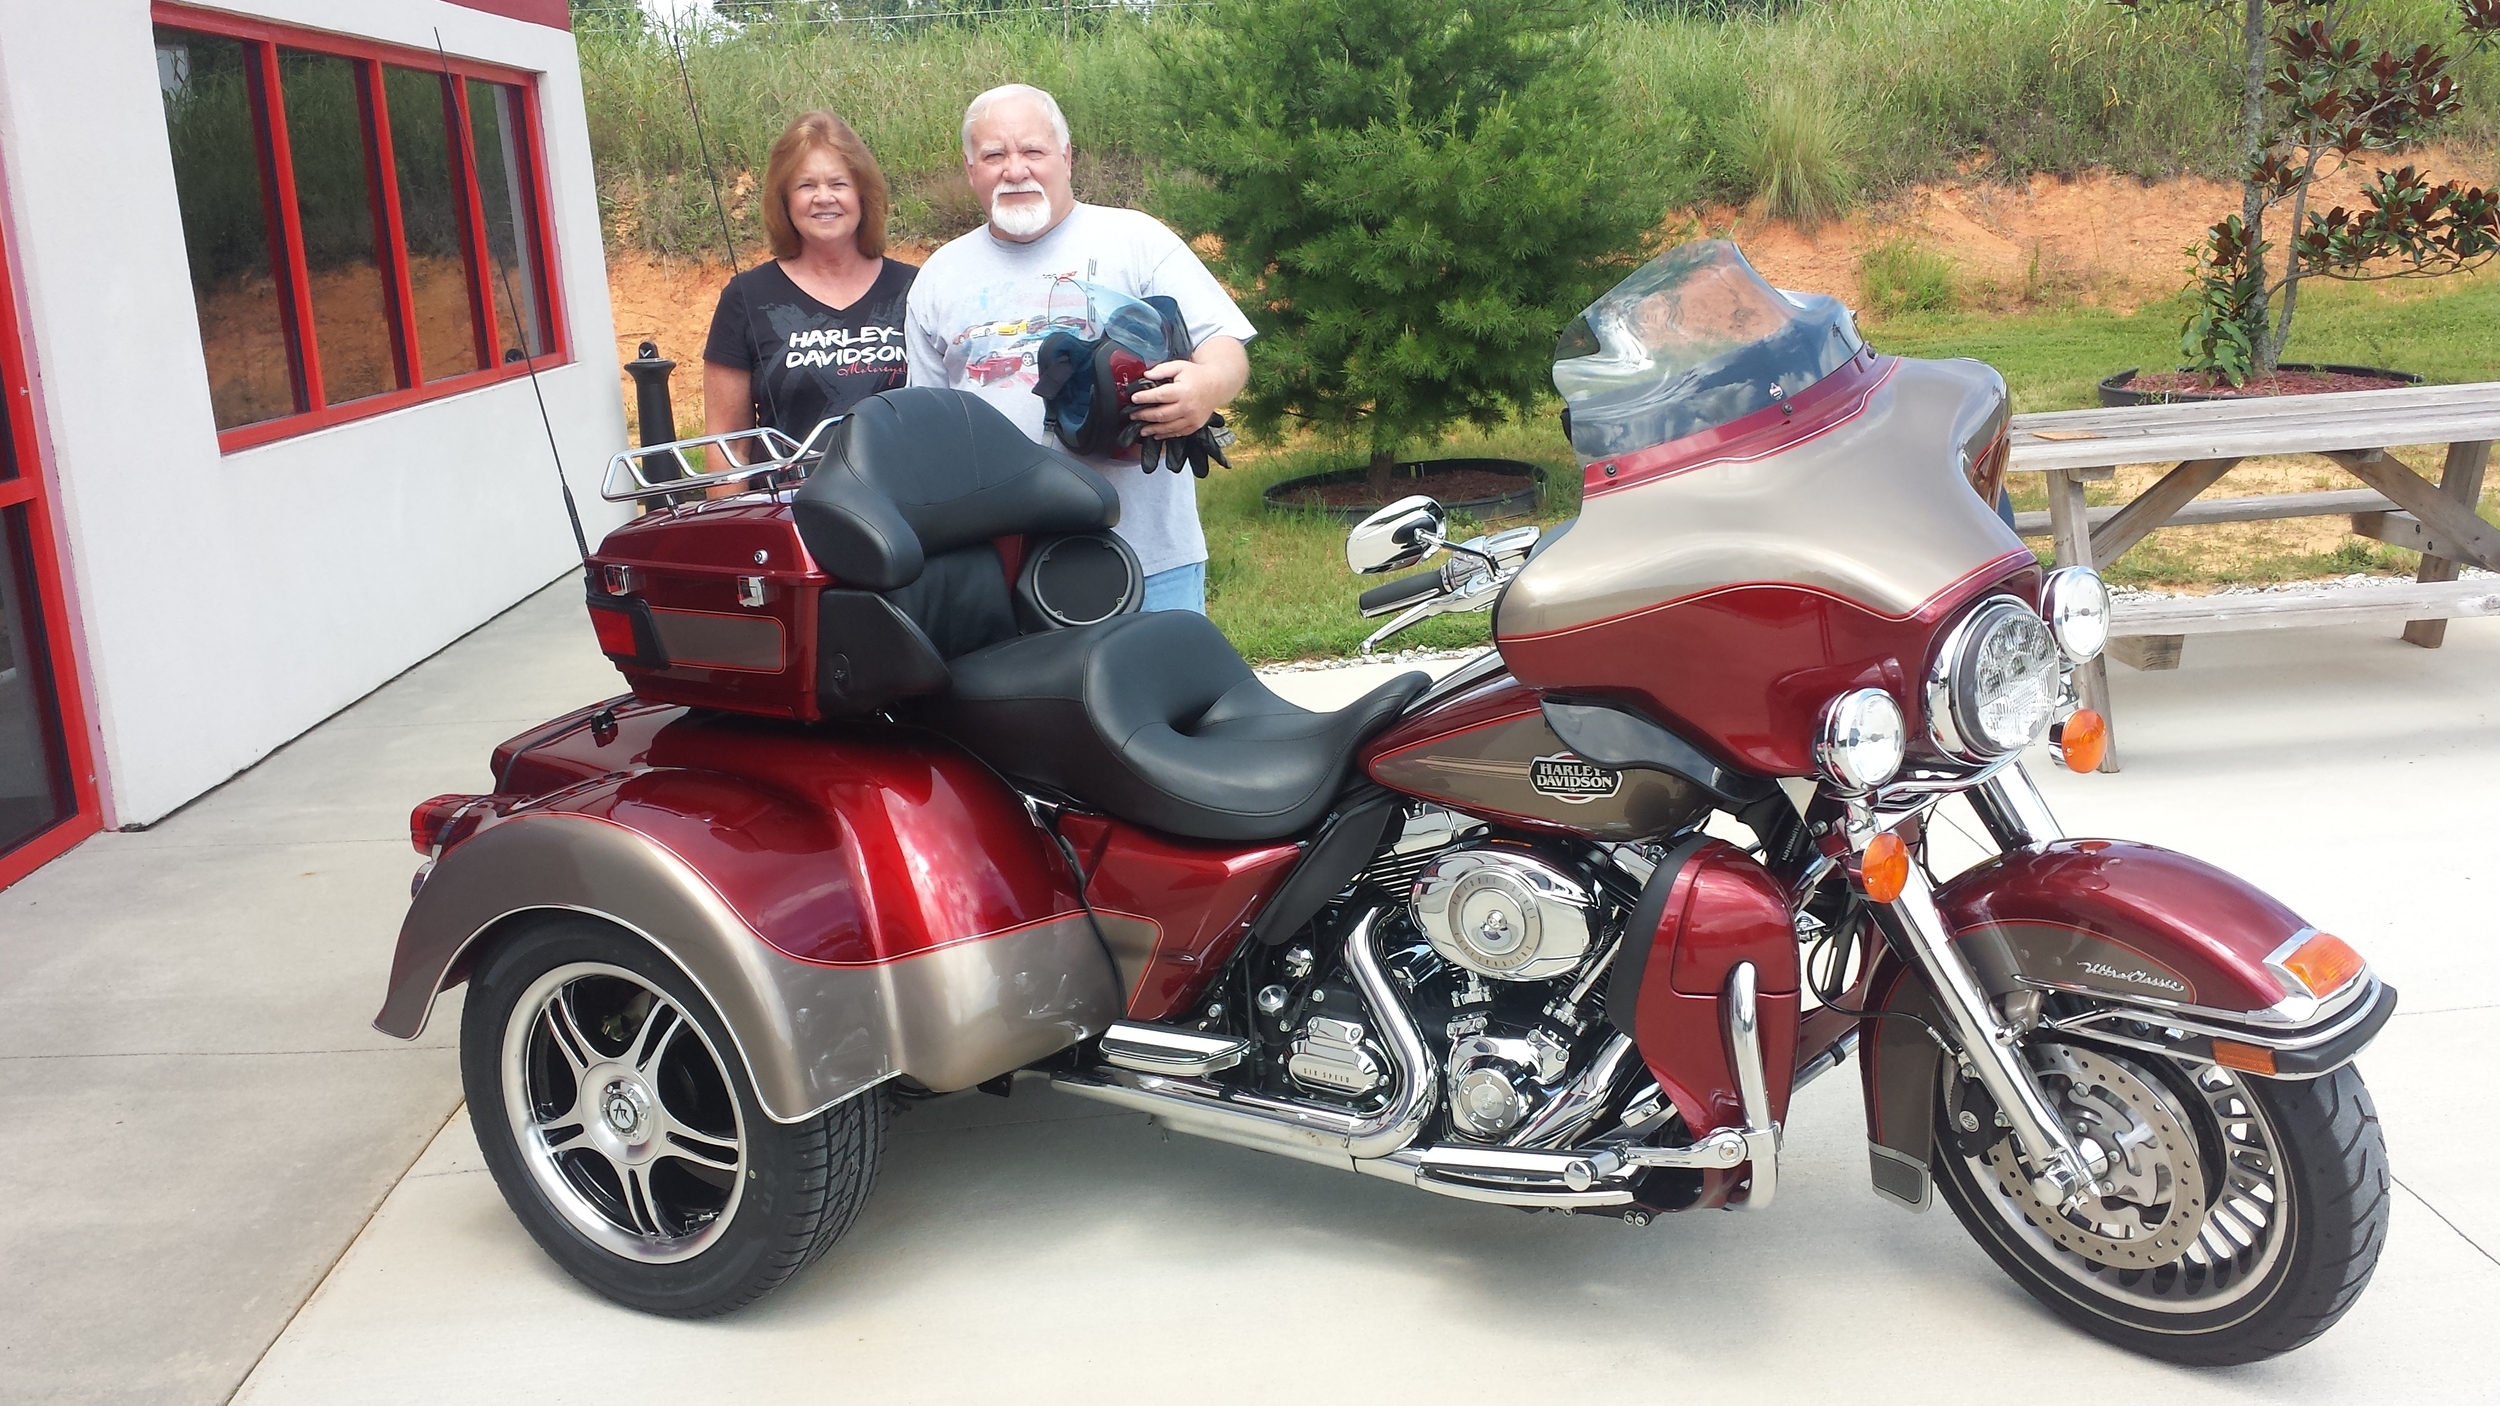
x=1410 y=198
x=2314 y=100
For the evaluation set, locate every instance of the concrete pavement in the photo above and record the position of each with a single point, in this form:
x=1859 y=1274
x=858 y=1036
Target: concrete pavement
x=1053 y=1250
x=198 y=1118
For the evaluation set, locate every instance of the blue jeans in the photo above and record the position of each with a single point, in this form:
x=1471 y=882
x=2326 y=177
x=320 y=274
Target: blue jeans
x=1181 y=588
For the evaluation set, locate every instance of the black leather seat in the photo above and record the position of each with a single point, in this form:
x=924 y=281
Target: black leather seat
x=1156 y=719
x=1153 y=718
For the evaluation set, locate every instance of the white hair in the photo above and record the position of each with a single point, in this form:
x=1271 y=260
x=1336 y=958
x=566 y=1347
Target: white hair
x=980 y=106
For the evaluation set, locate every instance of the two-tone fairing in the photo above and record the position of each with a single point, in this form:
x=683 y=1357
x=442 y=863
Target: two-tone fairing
x=1801 y=524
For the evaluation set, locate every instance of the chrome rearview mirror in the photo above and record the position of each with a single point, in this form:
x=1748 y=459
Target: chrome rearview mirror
x=1396 y=537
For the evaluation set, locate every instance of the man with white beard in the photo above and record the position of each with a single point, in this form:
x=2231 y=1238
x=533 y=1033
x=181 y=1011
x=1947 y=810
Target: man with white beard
x=983 y=305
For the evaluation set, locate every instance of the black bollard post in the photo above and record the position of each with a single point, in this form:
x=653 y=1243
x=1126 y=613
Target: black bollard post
x=652 y=406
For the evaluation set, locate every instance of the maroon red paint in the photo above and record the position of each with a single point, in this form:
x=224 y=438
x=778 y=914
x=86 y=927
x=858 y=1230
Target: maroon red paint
x=2181 y=916
x=1722 y=910
x=1776 y=652
x=1200 y=897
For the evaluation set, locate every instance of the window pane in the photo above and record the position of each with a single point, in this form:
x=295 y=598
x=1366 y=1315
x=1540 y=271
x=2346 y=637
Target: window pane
x=351 y=311
x=429 y=215
x=503 y=184
x=34 y=765
x=211 y=96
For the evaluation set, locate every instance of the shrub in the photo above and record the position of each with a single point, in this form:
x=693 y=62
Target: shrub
x=1900 y=275
x=1410 y=200
x=1798 y=154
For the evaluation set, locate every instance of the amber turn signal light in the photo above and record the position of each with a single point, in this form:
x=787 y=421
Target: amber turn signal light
x=2324 y=964
x=2082 y=740
x=2249 y=1059
x=1884 y=870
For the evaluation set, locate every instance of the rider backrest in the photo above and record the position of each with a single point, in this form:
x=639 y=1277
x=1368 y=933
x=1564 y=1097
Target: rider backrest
x=902 y=512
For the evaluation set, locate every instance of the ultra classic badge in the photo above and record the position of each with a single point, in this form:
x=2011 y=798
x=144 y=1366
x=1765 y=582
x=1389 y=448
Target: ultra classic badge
x=1571 y=780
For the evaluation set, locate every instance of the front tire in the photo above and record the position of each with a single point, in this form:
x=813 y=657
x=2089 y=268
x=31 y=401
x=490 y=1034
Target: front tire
x=619 y=1122
x=2248 y=1214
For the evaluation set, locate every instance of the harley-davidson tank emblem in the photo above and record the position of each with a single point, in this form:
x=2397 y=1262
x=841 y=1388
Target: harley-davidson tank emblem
x=1572 y=780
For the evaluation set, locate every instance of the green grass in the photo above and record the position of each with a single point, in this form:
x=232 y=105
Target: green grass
x=1901 y=275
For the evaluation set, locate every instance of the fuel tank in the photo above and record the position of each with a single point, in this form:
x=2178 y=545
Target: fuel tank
x=1487 y=749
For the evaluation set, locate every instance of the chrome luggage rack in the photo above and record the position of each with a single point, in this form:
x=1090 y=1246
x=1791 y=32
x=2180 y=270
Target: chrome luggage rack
x=629 y=470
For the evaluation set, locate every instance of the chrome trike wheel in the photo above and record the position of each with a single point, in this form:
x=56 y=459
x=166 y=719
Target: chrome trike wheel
x=617 y=1115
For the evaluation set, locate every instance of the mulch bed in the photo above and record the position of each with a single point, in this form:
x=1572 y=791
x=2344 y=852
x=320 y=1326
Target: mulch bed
x=2275 y=383
x=1457 y=486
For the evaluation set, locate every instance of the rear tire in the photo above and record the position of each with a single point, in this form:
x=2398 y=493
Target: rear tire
x=2285 y=1197
x=619 y=1122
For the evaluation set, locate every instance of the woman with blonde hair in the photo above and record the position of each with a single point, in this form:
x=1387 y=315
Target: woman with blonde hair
x=820 y=328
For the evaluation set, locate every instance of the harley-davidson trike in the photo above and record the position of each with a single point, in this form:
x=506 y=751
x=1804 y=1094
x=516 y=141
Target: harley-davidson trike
x=908 y=797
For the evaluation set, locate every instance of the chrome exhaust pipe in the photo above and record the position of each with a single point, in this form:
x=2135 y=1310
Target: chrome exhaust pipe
x=1310 y=1131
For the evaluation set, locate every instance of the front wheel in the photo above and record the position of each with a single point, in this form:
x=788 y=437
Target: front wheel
x=2244 y=1215
x=620 y=1124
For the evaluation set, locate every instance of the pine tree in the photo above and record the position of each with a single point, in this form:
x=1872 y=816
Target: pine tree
x=1411 y=198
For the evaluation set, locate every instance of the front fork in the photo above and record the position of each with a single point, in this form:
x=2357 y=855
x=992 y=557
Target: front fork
x=1988 y=1045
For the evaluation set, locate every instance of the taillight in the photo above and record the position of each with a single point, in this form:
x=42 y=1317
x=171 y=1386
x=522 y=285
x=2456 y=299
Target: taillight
x=615 y=629
x=429 y=821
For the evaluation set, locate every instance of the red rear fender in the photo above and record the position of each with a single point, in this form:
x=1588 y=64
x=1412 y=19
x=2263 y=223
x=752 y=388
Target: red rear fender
x=857 y=904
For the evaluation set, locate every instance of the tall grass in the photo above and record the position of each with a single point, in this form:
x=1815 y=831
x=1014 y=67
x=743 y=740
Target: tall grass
x=1804 y=104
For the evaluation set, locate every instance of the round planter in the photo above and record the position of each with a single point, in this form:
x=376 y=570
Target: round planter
x=2116 y=392
x=1417 y=477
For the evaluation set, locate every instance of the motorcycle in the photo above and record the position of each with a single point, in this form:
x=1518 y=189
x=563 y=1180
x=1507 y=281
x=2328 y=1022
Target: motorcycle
x=908 y=798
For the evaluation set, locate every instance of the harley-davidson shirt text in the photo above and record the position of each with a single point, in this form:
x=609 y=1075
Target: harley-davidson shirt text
x=809 y=361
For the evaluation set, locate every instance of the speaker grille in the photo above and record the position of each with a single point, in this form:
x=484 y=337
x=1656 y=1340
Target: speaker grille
x=1080 y=580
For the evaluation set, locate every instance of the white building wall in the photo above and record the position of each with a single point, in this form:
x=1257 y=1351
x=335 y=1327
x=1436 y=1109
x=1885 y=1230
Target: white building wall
x=228 y=602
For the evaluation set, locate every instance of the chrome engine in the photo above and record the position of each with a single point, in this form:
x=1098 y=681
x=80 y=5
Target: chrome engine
x=1333 y=1056
x=1503 y=911
x=1505 y=944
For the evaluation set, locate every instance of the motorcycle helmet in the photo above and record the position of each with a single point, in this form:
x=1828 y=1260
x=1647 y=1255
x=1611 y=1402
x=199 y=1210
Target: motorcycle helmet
x=1095 y=359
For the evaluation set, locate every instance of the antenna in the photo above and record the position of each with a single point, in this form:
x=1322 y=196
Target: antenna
x=703 y=148
x=512 y=305
x=720 y=206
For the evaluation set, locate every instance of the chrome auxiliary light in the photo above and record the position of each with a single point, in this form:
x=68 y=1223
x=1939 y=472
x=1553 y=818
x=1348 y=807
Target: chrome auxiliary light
x=2075 y=602
x=1862 y=739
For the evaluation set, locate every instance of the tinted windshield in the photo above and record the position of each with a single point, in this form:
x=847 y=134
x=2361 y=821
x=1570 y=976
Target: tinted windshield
x=1693 y=339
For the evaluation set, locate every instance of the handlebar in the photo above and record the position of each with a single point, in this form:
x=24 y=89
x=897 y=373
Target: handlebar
x=1392 y=594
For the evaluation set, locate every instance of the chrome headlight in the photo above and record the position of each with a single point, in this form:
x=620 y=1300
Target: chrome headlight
x=1862 y=740
x=1994 y=683
x=2076 y=605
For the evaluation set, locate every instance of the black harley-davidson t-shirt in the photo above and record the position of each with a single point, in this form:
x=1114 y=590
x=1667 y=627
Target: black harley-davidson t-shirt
x=809 y=361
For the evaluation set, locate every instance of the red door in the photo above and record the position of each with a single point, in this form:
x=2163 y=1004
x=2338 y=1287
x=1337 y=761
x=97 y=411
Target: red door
x=47 y=782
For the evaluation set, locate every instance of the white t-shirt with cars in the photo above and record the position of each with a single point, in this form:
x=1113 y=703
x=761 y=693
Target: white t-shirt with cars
x=983 y=306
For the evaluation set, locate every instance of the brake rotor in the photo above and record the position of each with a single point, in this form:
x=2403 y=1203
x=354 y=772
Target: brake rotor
x=2141 y=1146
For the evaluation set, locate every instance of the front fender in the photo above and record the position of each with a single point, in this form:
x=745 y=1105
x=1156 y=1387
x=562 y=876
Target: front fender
x=2168 y=954
x=830 y=960
x=2133 y=923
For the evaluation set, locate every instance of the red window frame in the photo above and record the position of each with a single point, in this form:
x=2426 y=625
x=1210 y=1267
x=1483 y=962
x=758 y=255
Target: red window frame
x=30 y=489
x=536 y=225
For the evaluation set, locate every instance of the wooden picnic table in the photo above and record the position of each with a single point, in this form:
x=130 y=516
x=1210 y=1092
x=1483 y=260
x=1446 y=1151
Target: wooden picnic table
x=2354 y=430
